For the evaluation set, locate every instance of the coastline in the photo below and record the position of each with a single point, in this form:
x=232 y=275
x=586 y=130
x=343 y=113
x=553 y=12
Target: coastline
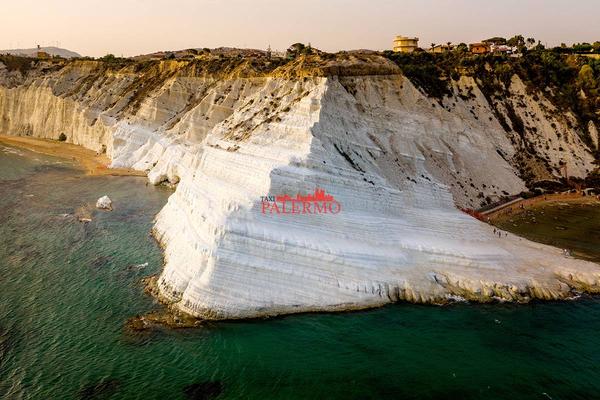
x=93 y=164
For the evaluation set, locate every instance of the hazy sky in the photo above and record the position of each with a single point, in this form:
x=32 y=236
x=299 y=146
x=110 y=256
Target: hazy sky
x=131 y=27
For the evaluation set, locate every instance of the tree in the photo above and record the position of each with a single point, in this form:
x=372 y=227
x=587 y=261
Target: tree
x=539 y=46
x=586 y=77
x=596 y=46
x=462 y=47
x=299 y=48
x=530 y=42
x=582 y=47
x=108 y=58
x=516 y=41
x=295 y=50
x=495 y=40
x=432 y=46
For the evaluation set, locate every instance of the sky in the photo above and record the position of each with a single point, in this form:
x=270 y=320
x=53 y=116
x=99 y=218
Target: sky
x=133 y=27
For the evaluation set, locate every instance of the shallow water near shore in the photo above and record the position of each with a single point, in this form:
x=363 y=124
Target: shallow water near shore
x=67 y=288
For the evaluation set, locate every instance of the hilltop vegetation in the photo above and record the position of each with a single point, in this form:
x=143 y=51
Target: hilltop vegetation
x=16 y=63
x=571 y=82
x=566 y=75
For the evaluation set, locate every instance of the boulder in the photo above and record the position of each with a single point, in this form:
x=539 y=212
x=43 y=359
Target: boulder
x=104 y=203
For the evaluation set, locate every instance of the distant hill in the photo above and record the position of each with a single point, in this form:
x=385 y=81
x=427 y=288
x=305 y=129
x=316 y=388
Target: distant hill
x=54 y=51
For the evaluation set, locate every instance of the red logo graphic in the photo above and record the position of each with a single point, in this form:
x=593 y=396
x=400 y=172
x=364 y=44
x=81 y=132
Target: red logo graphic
x=318 y=202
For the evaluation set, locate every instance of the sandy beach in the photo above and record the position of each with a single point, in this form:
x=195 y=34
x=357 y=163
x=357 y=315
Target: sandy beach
x=540 y=201
x=87 y=159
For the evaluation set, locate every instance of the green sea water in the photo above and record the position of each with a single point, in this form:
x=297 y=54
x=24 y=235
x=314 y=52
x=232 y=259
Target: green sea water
x=67 y=288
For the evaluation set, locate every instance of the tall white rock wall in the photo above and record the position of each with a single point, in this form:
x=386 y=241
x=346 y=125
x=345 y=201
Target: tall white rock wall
x=398 y=162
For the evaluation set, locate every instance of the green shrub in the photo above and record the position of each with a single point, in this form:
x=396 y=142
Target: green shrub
x=17 y=63
x=108 y=58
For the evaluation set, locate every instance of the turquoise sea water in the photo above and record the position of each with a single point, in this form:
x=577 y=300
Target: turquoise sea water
x=67 y=288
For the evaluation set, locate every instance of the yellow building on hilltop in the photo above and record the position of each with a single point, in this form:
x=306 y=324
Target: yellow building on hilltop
x=403 y=44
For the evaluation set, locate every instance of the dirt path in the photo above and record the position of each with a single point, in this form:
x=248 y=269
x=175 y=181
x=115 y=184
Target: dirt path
x=92 y=164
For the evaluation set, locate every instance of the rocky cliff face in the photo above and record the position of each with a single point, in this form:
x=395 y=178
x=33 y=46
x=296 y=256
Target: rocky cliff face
x=227 y=132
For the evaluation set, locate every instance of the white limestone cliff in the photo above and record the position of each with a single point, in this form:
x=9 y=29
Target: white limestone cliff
x=594 y=135
x=397 y=161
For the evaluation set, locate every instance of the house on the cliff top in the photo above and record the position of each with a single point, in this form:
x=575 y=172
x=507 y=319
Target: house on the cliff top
x=441 y=48
x=479 y=48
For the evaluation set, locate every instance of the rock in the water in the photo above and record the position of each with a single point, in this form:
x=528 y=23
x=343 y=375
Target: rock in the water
x=104 y=203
